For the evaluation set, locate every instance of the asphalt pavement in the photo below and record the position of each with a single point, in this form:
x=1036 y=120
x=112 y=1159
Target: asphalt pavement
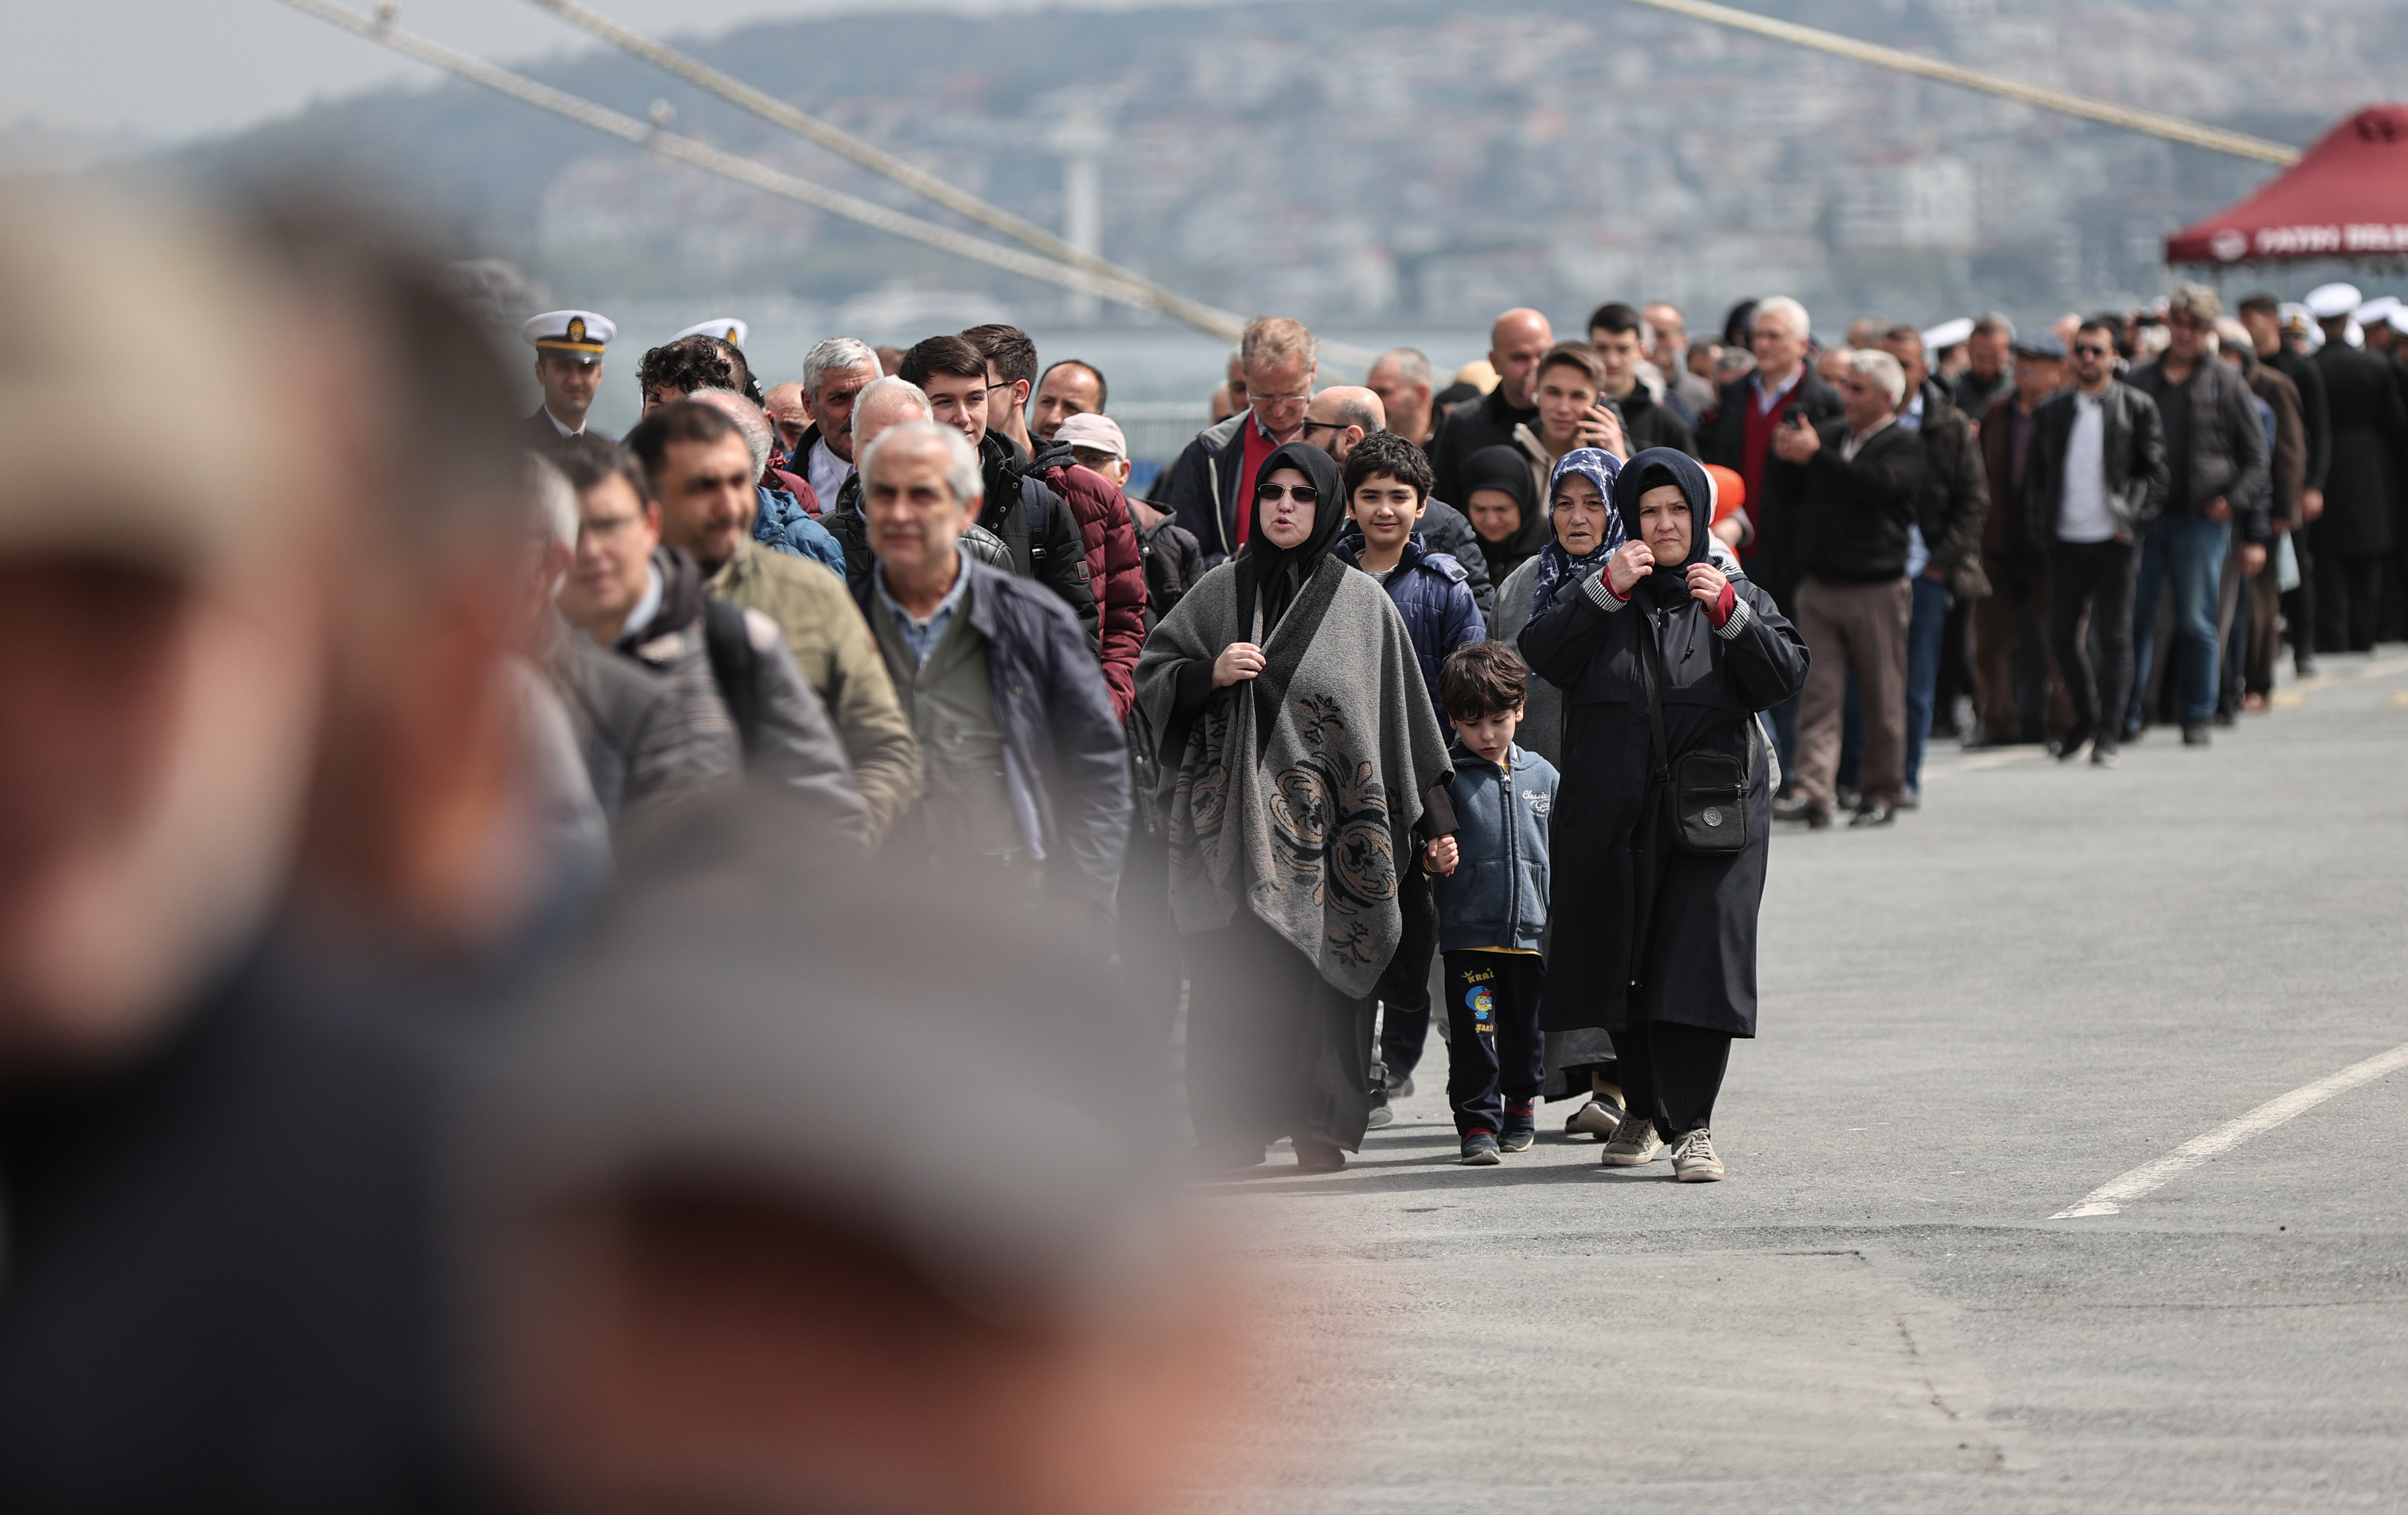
x=2048 y=976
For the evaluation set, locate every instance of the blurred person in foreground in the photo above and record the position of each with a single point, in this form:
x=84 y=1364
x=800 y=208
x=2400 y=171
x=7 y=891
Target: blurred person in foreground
x=1655 y=945
x=1027 y=778
x=704 y=513
x=717 y=1272
x=1211 y=488
x=264 y=806
x=1516 y=342
x=2217 y=464
x=633 y=592
x=2096 y=481
x=1852 y=537
x=2013 y=561
x=1287 y=672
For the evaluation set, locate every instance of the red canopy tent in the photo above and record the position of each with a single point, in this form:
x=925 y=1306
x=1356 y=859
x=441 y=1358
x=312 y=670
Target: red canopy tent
x=2346 y=197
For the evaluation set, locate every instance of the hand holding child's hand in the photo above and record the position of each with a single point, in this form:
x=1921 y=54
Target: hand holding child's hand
x=1440 y=855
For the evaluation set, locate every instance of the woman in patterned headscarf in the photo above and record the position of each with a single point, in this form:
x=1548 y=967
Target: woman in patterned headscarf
x=1299 y=755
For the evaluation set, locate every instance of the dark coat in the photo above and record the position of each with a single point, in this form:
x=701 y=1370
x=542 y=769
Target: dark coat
x=2290 y=464
x=1486 y=422
x=1064 y=760
x=2132 y=456
x=1954 y=498
x=226 y=1271
x=1497 y=897
x=1648 y=421
x=850 y=529
x=2006 y=528
x=1040 y=531
x=2216 y=444
x=1201 y=488
x=1852 y=521
x=2369 y=430
x=2316 y=416
x=541 y=435
x=1721 y=438
x=1662 y=935
x=639 y=754
x=1430 y=592
x=1172 y=558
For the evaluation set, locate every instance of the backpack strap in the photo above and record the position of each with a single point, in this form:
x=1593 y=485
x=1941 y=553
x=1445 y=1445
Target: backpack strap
x=735 y=667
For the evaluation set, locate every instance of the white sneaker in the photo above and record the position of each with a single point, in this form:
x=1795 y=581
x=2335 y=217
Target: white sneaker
x=1595 y=1119
x=1694 y=1160
x=1634 y=1142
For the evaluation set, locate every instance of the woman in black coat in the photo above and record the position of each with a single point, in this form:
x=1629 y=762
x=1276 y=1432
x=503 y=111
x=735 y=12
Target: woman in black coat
x=1655 y=945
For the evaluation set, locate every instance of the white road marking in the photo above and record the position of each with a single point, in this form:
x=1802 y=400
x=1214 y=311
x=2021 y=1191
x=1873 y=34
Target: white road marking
x=2111 y=1197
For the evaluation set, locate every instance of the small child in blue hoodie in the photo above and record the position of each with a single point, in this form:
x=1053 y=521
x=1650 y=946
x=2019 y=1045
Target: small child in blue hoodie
x=1491 y=882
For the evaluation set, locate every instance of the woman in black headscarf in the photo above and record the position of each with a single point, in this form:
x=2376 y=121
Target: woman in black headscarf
x=1664 y=954
x=1298 y=754
x=1501 y=499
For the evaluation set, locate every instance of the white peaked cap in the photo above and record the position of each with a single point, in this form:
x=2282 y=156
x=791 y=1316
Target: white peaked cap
x=726 y=328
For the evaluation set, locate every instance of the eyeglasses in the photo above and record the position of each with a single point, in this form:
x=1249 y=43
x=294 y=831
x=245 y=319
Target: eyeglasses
x=1311 y=427
x=1258 y=401
x=1005 y=385
x=1301 y=494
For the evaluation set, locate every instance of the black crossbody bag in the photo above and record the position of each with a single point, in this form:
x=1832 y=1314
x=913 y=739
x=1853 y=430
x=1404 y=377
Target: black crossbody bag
x=1705 y=793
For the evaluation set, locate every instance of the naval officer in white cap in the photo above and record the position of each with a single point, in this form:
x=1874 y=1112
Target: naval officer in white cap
x=569 y=346
x=726 y=328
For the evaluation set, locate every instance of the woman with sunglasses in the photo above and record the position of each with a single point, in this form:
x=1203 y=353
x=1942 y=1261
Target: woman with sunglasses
x=1301 y=767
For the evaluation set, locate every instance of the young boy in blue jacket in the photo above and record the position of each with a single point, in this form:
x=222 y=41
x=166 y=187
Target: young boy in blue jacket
x=1491 y=882
x=1387 y=482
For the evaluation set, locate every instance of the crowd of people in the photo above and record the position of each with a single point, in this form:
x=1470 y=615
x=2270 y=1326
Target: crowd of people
x=480 y=892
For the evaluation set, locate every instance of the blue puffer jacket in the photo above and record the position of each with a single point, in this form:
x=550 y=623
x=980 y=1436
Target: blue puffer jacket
x=1430 y=593
x=783 y=525
x=1497 y=897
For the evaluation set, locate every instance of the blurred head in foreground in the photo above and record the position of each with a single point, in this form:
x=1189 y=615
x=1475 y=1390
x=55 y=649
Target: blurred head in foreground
x=163 y=610
x=752 y=1241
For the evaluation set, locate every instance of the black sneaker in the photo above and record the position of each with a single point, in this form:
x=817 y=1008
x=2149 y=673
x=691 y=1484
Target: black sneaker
x=2069 y=746
x=1313 y=1156
x=2195 y=734
x=2103 y=755
x=1797 y=807
x=1480 y=1150
x=1521 y=1125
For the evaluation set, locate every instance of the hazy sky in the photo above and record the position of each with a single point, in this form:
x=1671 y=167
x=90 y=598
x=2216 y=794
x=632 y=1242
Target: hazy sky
x=172 y=69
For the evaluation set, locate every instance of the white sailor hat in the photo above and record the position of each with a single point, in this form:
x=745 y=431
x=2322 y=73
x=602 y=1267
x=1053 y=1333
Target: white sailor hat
x=1948 y=334
x=2398 y=319
x=726 y=328
x=581 y=332
x=2332 y=302
x=2376 y=311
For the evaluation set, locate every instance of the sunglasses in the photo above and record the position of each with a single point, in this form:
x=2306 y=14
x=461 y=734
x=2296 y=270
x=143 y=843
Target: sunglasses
x=1301 y=494
x=2083 y=350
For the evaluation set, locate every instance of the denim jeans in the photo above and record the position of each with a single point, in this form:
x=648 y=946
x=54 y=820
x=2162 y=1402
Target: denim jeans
x=2185 y=553
x=1922 y=670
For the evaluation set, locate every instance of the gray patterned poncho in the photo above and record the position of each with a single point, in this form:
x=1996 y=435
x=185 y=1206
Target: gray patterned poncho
x=1296 y=790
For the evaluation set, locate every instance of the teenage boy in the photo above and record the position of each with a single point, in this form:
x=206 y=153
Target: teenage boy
x=1492 y=912
x=1387 y=482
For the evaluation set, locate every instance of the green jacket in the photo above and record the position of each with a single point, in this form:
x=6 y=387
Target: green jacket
x=839 y=661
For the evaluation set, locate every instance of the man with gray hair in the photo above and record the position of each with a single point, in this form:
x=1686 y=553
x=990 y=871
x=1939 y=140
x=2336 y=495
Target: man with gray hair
x=1026 y=787
x=1212 y=482
x=1752 y=409
x=1401 y=378
x=1864 y=473
x=883 y=402
x=835 y=373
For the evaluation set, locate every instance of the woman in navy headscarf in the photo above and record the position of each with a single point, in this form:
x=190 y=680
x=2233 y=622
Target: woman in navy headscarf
x=1652 y=944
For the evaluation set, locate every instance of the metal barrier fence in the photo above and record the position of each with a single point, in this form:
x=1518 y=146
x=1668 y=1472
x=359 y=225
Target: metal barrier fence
x=1159 y=430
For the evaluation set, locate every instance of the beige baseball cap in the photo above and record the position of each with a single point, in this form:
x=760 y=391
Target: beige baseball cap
x=138 y=372
x=1096 y=433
